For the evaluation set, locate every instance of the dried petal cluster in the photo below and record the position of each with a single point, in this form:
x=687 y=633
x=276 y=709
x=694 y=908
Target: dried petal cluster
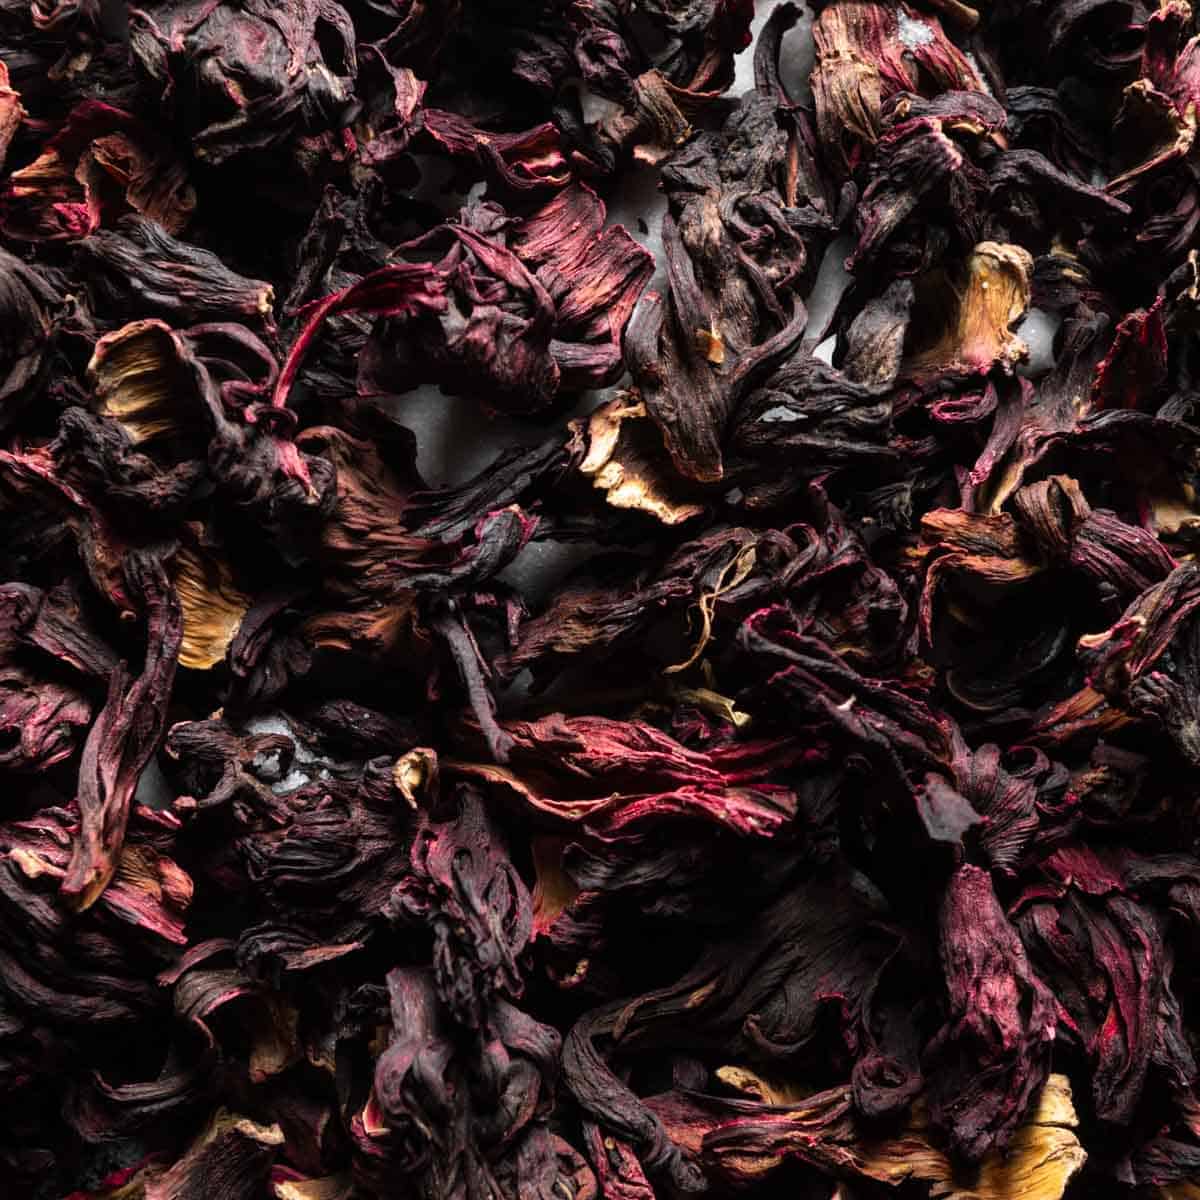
x=822 y=822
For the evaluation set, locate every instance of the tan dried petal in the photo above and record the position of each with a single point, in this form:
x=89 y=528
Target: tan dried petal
x=12 y=113
x=711 y=344
x=734 y=574
x=1172 y=515
x=1040 y=1161
x=657 y=125
x=33 y=865
x=625 y=459
x=846 y=86
x=232 y=1150
x=276 y=1042
x=967 y=324
x=134 y=374
x=716 y=704
x=213 y=607
x=160 y=877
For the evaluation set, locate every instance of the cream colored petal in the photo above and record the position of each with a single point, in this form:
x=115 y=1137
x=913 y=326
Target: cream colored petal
x=213 y=607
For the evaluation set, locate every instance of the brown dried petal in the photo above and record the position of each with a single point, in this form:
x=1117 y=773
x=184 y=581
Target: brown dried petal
x=135 y=372
x=965 y=327
x=329 y=1187
x=102 y=163
x=12 y=113
x=231 y=1158
x=1042 y=1158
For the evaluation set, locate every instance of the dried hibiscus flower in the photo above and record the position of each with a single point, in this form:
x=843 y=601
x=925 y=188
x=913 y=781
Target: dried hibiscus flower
x=589 y=616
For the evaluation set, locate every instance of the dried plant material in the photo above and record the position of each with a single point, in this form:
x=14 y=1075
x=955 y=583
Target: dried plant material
x=102 y=163
x=732 y=311
x=415 y=775
x=475 y=728
x=124 y=737
x=136 y=375
x=1042 y=1159
x=993 y=1054
x=554 y=890
x=28 y=303
x=11 y=112
x=487 y=309
x=138 y=269
x=734 y=574
x=1150 y=128
x=716 y=704
x=213 y=607
x=966 y=326
x=266 y=74
x=867 y=52
x=766 y=1091
x=747 y=1140
x=231 y=1158
x=609 y=775
x=622 y=455
x=331 y=1187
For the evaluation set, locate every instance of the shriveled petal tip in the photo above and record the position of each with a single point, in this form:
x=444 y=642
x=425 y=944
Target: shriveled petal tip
x=1044 y=1156
x=626 y=461
x=82 y=887
x=415 y=776
x=965 y=326
x=767 y=1088
x=213 y=607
